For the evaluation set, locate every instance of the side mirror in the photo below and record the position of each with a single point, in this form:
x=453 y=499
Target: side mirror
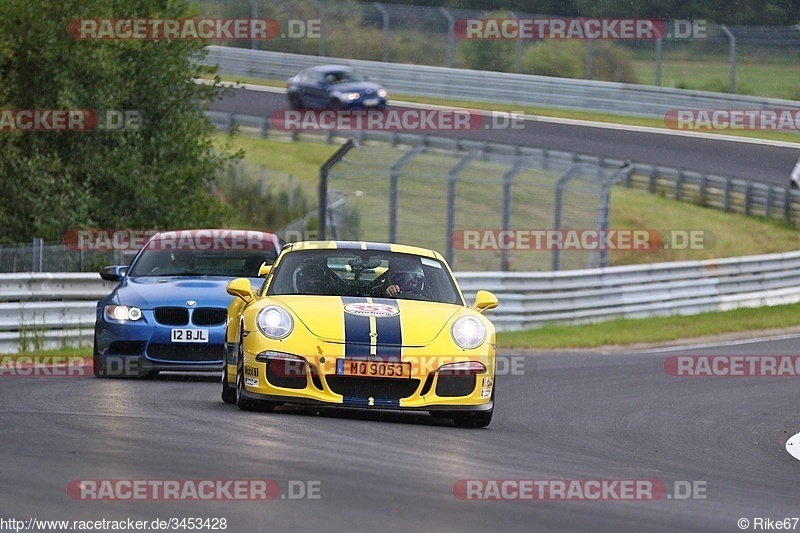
x=264 y=269
x=113 y=273
x=241 y=288
x=485 y=300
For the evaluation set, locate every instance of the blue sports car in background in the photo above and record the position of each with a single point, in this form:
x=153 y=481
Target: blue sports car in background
x=169 y=310
x=334 y=87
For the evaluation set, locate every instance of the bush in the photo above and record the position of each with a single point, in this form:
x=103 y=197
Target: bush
x=567 y=59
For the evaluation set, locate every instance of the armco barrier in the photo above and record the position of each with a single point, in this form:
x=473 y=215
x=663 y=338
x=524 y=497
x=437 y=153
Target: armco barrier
x=48 y=310
x=497 y=87
x=57 y=309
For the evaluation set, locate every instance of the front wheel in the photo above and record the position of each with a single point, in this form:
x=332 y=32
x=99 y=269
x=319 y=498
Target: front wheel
x=228 y=392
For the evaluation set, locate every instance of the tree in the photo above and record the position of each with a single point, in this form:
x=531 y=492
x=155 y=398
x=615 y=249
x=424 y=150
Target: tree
x=155 y=177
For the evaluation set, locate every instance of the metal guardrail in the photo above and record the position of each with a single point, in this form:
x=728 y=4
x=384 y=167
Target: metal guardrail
x=710 y=190
x=486 y=86
x=52 y=310
x=528 y=300
x=48 y=310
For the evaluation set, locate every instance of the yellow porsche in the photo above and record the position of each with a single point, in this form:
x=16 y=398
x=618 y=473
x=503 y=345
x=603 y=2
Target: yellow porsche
x=360 y=325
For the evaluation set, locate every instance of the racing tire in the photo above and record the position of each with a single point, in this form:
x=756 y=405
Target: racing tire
x=294 y=101
x=98 y=367
x=337 y=105
x=246 y=404
x=228 y=393
x=475 y=419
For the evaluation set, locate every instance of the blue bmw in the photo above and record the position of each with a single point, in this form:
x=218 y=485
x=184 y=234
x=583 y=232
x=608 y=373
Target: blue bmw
x=334 y=87
x=169 y=310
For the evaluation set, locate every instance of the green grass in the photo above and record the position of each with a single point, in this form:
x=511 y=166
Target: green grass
x=648 y=330
x=769 y=80
x=78 y=351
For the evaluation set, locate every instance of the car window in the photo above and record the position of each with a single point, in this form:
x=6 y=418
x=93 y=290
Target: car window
x=361 y=273
x=344 y=76
x=225 y=263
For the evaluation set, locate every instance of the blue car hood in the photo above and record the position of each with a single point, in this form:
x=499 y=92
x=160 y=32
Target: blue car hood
x=359 y=86
x=150 y=292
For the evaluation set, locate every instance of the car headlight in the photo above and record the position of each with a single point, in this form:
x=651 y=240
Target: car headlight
x=468 y=332
x=122 y=313
x=274 y=322
x=352 y=96
x=382 y=93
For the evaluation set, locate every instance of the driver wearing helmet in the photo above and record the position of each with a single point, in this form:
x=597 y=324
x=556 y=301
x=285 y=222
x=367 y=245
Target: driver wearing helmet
x=310 y=278
x=406 y=278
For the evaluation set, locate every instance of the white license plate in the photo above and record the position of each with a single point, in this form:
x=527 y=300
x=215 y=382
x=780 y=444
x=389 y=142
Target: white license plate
x=189 y=335
x=371 y=101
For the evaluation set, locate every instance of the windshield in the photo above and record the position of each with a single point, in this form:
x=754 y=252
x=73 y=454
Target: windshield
x=366 y=274
x=223 y=263
x=344 y=76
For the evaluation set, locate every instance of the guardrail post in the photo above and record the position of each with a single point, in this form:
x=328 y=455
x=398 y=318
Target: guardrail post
x=679 y=185
x=726 y=199
x=651 y=180
x=703 y=188
x=324 y=170
x=264 y=128
x=452 y=177
x=768 y=211
x=748 y=197
x=787 y=204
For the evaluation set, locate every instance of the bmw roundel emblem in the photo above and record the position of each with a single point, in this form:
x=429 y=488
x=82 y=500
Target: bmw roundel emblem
x=191 y=303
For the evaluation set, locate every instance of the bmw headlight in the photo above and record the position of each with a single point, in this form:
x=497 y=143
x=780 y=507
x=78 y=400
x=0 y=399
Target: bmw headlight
x=382 y=93
x=274 y=322
x=352 y=96
x=468 y=332
x=122 y=313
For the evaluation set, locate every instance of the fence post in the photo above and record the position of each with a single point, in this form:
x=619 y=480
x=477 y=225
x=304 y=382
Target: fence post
x=562 y=181
x=732 y=48
x=451 y=36
x=394 y=178
x=385 y=16
x=321 y=11
x=658 y=62
x=452 y=177
x=324 y=170
x=508 y=180
x=726 y=199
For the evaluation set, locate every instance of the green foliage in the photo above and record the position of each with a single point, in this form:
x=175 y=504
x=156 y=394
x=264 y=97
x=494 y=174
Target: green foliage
x=567 y=59
x=156 y=176
x=489 y=55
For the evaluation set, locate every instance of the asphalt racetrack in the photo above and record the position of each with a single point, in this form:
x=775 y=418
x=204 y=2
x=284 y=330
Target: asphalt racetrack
x=566 y=416
x=753 y=161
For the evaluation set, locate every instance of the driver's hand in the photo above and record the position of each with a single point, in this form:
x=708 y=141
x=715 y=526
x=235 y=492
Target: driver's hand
x=392 y=290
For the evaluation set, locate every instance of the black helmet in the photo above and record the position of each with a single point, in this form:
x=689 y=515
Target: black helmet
x=409 y=277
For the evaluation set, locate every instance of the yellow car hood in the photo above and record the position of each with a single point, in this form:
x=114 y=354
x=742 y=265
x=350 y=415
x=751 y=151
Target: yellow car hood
x=390 y=322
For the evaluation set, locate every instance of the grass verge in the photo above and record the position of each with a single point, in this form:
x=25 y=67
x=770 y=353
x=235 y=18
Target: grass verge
x=622 y=332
